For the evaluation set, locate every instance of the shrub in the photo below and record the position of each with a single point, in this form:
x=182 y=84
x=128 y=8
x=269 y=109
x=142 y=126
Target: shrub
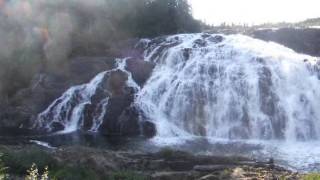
x=3 y=170
x=20 y=162
x=313 y=176
x=33 y=173
x=71 y=173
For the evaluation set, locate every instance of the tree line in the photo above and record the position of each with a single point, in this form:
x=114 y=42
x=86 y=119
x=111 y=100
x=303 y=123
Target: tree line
x=40 y=35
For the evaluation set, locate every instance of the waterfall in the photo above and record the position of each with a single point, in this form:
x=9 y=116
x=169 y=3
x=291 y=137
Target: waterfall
x=206 y=85
x=69 y=113
x=245 y=96
x=232 y=87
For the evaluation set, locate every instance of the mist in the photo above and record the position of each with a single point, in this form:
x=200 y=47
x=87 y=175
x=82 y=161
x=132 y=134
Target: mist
x=42 y=35
x=50 y=25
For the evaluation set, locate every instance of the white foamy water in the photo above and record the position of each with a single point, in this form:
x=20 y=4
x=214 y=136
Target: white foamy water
x=235 y=88
x=68 y=111
x=239 y=88
x=235 y=93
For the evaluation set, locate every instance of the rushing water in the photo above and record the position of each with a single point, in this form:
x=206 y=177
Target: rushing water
x=252 y=97
x=232 y=87
x=244 y=95
x=67 y=113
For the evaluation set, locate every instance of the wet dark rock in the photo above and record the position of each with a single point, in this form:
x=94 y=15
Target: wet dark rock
x=116 y=84
x=269 y=103
x=129 y=122
x=148 y=129
x=122 y=119
x=216 y=39
x=111 y=125
x=141 y=70
x=57 y=127
x=87 y=117
x=260 y=60
x=199 y=43
x=205 y=35
x=187 y=53
x=160 y=45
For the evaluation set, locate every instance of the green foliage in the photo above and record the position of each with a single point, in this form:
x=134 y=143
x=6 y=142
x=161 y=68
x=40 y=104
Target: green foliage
x=36 y=164
x=71 y=173
x=3 y=170
x=313 y=176
x=20 y=162
x=164 y=17
x=33 y=173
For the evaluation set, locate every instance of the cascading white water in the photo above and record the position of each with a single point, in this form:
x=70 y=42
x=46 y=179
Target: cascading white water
x=232 y=87
x=231 y=90
x=68 y=111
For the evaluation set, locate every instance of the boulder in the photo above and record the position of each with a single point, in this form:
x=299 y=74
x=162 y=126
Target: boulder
x=141 y=70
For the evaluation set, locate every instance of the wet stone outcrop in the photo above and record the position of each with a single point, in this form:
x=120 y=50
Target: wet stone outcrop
x=104 y=104
x=108 y=110
x=140 y=69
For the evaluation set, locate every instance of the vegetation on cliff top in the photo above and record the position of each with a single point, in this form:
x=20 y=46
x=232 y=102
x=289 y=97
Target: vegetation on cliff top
x=42 y=35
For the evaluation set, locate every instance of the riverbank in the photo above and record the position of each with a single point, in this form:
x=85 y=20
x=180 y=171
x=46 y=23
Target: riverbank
x=79 y=162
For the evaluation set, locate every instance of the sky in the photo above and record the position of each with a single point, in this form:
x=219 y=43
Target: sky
x=254 y=11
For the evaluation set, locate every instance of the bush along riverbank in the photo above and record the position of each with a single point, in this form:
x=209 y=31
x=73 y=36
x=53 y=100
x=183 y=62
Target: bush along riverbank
x=83 y=163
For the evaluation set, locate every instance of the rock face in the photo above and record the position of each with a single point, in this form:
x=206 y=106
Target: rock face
x=141 y=70
x=104 y=104
x=305 y=41
x=46 y=87
x=120 y=116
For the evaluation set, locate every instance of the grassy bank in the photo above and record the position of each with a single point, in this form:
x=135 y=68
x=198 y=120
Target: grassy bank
x=83 y=163
x=16 y=164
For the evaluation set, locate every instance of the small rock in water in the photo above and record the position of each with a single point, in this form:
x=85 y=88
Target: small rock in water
x=149 y=129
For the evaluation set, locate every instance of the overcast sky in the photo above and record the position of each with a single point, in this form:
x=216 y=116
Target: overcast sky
x=254 y=11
